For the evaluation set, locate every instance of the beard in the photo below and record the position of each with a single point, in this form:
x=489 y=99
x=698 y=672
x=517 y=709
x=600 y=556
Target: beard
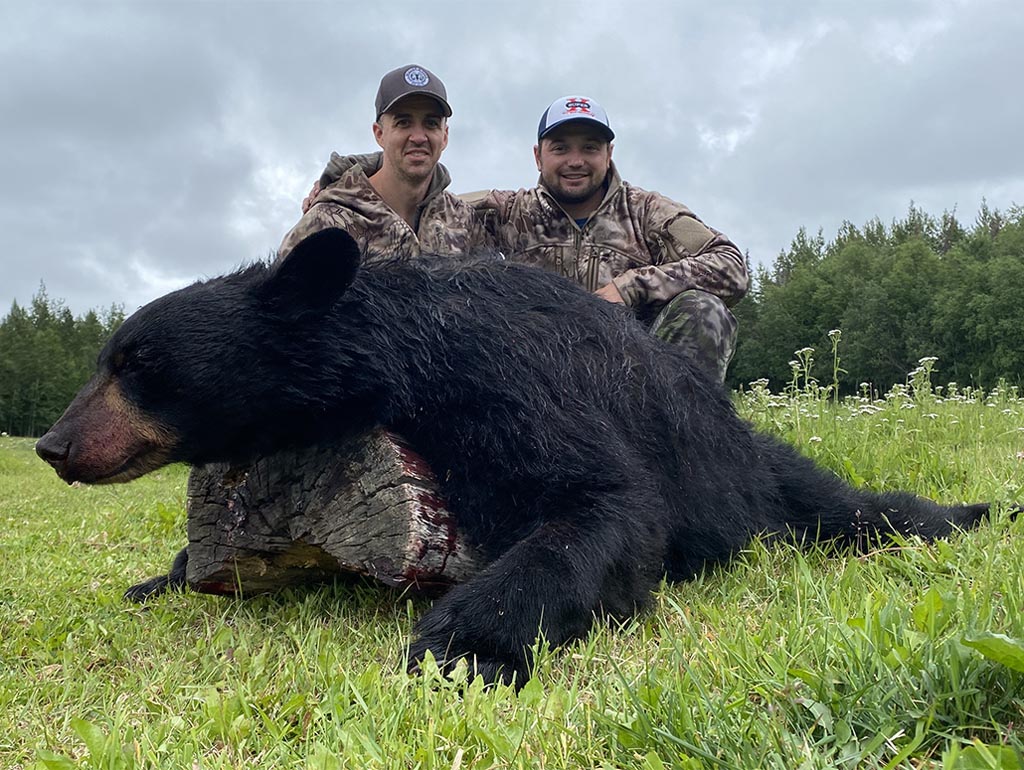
x=415 y=174
x=562 y=195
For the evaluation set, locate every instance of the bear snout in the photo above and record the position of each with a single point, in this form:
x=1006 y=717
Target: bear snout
x=103 y=438
x=54 y=450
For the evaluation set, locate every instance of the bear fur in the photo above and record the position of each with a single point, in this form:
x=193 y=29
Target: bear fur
x=583 y=457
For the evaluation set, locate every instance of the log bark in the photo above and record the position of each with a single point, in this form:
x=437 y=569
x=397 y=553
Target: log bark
x=366 y=504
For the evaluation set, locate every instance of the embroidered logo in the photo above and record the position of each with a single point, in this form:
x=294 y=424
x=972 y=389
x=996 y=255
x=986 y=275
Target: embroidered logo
x=577 y=105
x=415 y=76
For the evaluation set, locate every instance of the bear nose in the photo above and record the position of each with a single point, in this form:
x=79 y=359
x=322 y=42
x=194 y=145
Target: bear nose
x=53 y=450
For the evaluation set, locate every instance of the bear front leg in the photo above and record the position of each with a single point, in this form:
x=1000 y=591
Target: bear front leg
x=553 y=582
x=152 y=588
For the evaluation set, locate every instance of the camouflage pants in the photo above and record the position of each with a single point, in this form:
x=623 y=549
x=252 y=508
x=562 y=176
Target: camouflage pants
x=702 y=325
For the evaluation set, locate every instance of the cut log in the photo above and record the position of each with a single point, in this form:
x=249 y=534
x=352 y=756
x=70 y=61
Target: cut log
x=366 y=504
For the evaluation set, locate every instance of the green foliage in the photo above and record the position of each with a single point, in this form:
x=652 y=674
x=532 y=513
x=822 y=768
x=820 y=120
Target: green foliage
x=918 y=287
x=906 y=657
x=921 y=287
x=998 y=647
x=46 y=355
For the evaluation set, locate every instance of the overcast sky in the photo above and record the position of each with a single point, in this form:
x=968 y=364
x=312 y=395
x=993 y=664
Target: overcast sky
x=144 y=145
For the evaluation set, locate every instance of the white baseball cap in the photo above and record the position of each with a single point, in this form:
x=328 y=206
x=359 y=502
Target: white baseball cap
x=576 y=108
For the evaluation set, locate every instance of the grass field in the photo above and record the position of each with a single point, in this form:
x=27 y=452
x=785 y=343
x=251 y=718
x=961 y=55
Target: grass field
x=909 y=657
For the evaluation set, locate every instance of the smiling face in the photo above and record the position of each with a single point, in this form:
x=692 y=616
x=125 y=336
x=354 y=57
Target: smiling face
x=413 y=134
x=573 y=161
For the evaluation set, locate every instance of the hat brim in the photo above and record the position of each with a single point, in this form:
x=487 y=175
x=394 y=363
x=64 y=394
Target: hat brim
x=446 y=109
x=605 y=130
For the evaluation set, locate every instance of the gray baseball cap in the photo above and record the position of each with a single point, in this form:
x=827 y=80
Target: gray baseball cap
x=574 y=108
x=406 y=81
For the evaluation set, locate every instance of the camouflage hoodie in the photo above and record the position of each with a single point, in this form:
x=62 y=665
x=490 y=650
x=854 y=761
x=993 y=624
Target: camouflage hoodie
x=446 y=226
x=651 y=247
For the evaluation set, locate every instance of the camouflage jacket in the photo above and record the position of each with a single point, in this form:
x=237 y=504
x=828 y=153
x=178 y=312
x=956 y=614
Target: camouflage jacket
x=447 y=226
x=651 y=247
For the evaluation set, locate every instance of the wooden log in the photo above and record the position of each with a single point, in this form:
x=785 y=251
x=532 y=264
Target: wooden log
x=365 y=504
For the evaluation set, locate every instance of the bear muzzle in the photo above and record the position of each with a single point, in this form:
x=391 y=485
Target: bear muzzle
x=103 y=439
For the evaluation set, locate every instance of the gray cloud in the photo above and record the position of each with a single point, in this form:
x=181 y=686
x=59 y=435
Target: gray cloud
x=143 y=146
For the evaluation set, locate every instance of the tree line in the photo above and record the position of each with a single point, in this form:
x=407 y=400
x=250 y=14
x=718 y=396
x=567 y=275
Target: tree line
x=46 y=355
x=890 y=294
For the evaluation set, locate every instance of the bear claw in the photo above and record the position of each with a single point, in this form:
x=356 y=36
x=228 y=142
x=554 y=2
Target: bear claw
x=490 y=670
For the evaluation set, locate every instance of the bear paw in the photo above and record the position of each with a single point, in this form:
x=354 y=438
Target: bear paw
x=491 y=669
x=152 y=588
x=455 y=629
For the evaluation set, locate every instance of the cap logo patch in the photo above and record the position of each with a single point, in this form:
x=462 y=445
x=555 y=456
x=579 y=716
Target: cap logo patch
x=415 y=76
x=577 y=106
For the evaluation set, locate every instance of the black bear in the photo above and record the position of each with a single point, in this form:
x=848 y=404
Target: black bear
x=584 y=458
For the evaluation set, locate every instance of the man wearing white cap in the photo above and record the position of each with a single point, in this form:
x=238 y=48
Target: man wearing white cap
x=626 y=244
x=394 y=202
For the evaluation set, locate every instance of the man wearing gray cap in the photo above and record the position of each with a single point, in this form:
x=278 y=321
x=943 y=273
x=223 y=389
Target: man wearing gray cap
x=625 y=244
x=394 y=202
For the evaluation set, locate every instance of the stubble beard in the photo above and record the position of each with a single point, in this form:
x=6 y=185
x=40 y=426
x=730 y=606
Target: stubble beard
x=416 y=178
x=572 y=198
x=416 y=175
x=565 y=197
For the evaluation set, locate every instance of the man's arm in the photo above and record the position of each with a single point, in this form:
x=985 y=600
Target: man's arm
x=336 y=207
x=688 y=255
x=317 y=217
x=490 y=211
x=310 y=199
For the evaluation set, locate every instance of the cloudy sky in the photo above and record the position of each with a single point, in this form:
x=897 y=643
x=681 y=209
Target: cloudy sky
x=145 y=144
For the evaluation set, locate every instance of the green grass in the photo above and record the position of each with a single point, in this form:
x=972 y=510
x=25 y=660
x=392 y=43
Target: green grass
x=909 y=657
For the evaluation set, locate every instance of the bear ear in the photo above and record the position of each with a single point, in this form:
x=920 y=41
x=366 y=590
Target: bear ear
x=316 y=272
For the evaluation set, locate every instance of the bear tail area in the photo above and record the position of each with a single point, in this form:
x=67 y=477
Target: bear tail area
x=816 y=505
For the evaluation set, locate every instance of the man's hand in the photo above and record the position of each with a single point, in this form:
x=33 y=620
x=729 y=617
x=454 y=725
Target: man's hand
x=611 y=293
x=310 y=199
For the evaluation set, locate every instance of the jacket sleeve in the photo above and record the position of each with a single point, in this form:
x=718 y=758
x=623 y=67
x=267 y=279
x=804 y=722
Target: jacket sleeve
x=490 y=209
x=320 y=216
x=687 y=254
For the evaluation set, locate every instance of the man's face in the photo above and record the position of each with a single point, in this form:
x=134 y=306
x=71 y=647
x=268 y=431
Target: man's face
x=413 y=134
x=573 y=161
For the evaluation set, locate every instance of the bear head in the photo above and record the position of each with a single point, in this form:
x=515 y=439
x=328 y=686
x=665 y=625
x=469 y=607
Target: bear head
x=194 y=376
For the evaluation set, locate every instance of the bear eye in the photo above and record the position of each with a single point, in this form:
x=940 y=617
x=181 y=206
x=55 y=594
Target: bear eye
x=120 y=361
